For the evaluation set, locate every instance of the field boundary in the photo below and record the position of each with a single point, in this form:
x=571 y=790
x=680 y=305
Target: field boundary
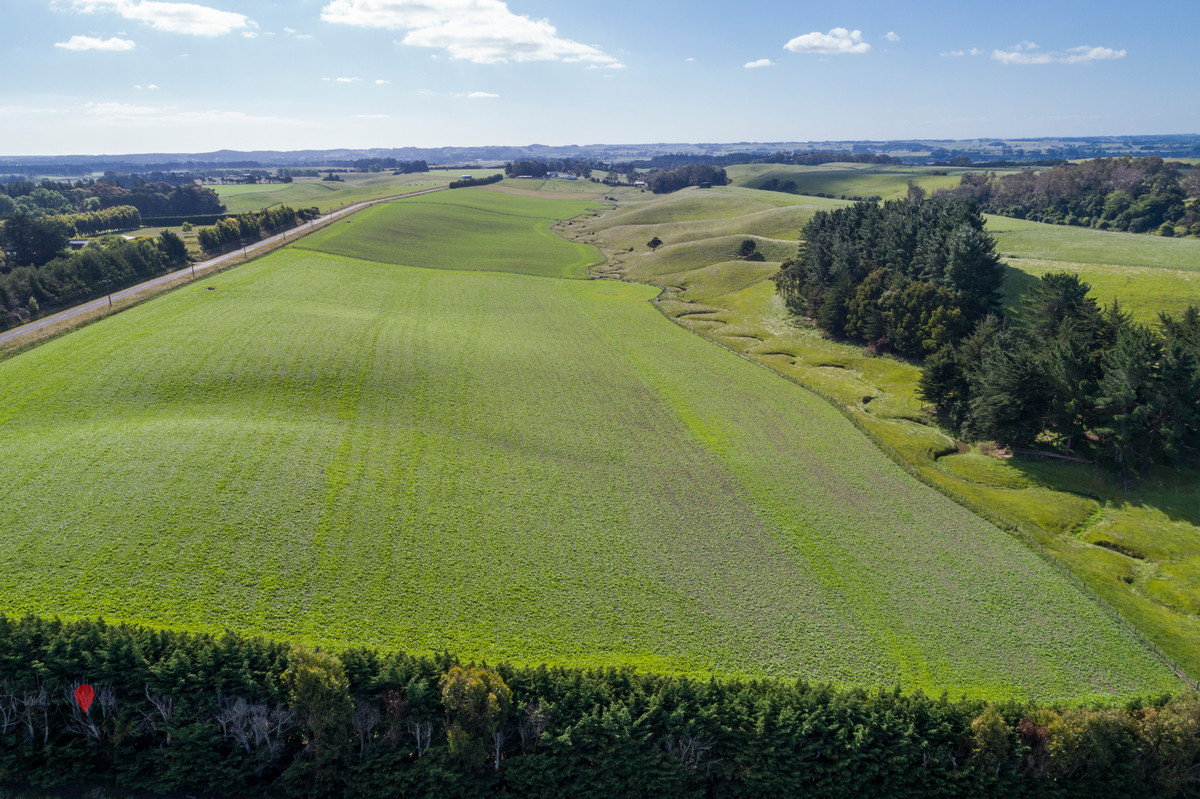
x=1000 y=524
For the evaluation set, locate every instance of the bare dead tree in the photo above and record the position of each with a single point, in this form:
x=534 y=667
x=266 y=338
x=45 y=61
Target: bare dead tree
x=233 y=718
x=8 y=708
x=422 y=732
x=32 y=706
x=535 y=720
x=83 y=722
x=269 y=726
x=496 y=744
x=690 y=750
x=253 y=727
x=159 y=719
x=366 y=721
x=106 y=697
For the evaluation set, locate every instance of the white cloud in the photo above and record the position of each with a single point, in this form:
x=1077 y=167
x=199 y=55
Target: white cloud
x=688 y=60
x=762 y=62
x=188 y=18
x=250 y=34
x=341 y=80
x=483 y=31
x=1026 y=53
x=1082 y=55
x=80 y=43
x=381 y=82
x=481 y=96
x=961 y=53
x=891 y=36
x=153 y=87
x=838 y=41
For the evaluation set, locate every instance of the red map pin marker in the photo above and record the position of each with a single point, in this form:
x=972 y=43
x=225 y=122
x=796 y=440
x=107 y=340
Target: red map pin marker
x=84 y=695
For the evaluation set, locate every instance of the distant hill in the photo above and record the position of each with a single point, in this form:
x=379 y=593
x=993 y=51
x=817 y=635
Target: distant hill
x=920 y=151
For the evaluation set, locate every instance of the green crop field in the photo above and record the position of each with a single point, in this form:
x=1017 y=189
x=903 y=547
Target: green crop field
x=344 y=451
x=469 y=230
x=330 y=195
x=849 y=180
x=1073 y=512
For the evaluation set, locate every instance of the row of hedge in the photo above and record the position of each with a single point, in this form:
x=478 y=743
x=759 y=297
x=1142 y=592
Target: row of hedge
x=237 y=231
x=176 y=221
x=237 y=716
x=467 y=183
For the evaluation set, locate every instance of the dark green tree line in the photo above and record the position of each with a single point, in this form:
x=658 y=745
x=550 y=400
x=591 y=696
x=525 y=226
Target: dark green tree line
x=236 y=716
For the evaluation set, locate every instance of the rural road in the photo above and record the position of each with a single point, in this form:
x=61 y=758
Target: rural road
x=295 y=233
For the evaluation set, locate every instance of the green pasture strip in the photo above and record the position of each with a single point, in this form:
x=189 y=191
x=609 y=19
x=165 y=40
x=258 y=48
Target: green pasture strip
x=344 y=452
x=463 y=229
x=1075 y=513
x=1019 y=238
x=1142 y=291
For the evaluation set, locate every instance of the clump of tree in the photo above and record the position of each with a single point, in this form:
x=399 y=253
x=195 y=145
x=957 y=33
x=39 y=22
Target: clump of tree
x=1076 y=377
x=774 y=184
x=1138 y=195
x=908 y=276
x=98 y=269
x=31 y=240
x=654 y=243
x=538 y=168
x=229 y=715
x=664 y=181
x=396 y=167
x=466 y=183
x=238 y=231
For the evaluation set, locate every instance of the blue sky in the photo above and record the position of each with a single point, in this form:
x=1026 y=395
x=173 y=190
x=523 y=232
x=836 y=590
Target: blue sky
x=120 y=76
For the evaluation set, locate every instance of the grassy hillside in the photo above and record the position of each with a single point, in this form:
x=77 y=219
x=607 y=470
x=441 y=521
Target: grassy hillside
x=344 y=451
x=1139 y=549
x=850 y=180
x=466 y=229
x=1147 y=274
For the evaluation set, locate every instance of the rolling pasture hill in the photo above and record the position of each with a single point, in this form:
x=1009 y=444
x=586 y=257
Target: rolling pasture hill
x=1137 y=549
x=846 y=179
x=1148 y=274
x=346 y=443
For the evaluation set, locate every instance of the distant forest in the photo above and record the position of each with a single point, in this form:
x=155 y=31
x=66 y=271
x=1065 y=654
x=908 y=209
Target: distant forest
x=1139 y=195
